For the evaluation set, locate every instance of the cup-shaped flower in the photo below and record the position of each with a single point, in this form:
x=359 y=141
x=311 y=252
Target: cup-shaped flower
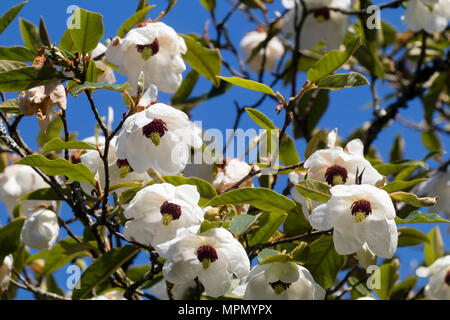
x=40 y=230
x=280 y=281
x=119 y=169
x=212 y=256
x=438 y=287
x=429 y=15
x=158 y=137
x=40 y=101
x=5 y=272
x=18 y=180
x=359 y=214
x=266 y=56
x=154 y=49
x=323 y=25
x=438 y=186
x=340 y=166
x=159 y=210
x=107 y=73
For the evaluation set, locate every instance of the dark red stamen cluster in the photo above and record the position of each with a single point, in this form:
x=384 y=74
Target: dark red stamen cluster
x=324 y=13
x=123 y=163
x=335 y=171
x=447 y=278
x=207 y=252
x=361 y=206
x=154 y=46
x=156 y=125
x=171 y=208
x=284 y=285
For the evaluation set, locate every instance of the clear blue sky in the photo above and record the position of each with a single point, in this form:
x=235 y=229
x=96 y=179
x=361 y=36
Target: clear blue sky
x=346 y=110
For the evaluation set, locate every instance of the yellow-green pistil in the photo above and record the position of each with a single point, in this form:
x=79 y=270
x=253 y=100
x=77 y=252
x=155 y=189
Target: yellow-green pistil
x=170 y=212
x=155 y=130
x=360 y=210
x=206 y=255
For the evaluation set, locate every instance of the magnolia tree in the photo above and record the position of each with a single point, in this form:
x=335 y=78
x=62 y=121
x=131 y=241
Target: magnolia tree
x=211 y=225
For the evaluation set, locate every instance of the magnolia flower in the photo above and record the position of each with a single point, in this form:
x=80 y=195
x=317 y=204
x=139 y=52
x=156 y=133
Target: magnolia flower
x=438 y=287
x=280 y=281
x=365 y=256
x=321 y=25
x=212 y=256
x=340 y=166
x=273 y=50
x=159 y=210
x=107 y=74
x=40 y=101
x=230 y=173
x=40 y=230
x=158 y=137
x=359 y=214
x=439 y=186
x=119 y=169
x=429 y=15
x=18 y=180
x=156 y=50
x=111 y=295
x=5 y=272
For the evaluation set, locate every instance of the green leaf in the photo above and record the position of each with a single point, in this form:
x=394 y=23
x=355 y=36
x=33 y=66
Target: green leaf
x=10 y=106
x=17 y=53
x=186 y=87
x=396 y=153
x=48 y=194
x=128 y=195
x=10 y=237
x=341 y=81
x=265 y=253
x=268 y=222
x=280 y=257
x=434 y=249
x=64 y=252
x=6 y=65
x=208 y=225
x=391 y=168
x=318 y=141
x=66 y=43
x=57 y=144
x=136 y=18
x=431 y=140
x=91 y=73
x=86 y=30
x=412 y=199
x=411 y=237
x=312 y=106
x=260 y=119
x=54 y=130
x=92 y=86
x=314 y=190
x=249 y=84
x=27 y=77
x=209 y=4
x=332 y=61
x=77 y=172
x=324 y=262
x=206 y=190
x=419 y=217
x=295 y=225
x=102 y=268
x=288 y=152
x=30 y=34
x=401 y=185
x=389 y=274
x=43 y=34
x=241 y=223
x=207 y=62
x=10 y=15
x=402 y=290
x=261 y=198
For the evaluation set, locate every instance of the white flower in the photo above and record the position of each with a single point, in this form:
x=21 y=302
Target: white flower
x=212 y=256
x=366 y=298
x=40 y=230
x=273 y=51
x=119 y=170
x=18 y=180
x=107 y=75
x=429 y=15
x=323 y=25
x=159 y=210
x=111 y=295
x=339 y=166
x=5 y=272
x=158 y=137
x=365 y=256
x=295 y=177
x=359 y=214
x=439 y=186
x=280 y=281
x=156 y=50
x=185 y=291
x=40 y=101
x=231 y=173
x=438 y=287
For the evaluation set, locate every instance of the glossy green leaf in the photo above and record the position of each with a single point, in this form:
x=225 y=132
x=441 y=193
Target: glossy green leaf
x=412 y=199
x=57 y=144
x=268 y=223
x=43 y=34
x=206 y=190
x=17 y=53
x=401 y=185
x=207 y=62
x=10 y=106
x=135 y=19
x=402 y=290
x=6 y=65
x=411 y=237
x=27 y=77
x=314 y=190
x=260 y=119
x=241 y=223
x=54 y=130
x=10 y=237
x=261 y=198
x=209 y=4
x=86 y=30
x=10 y=15
x=77 y=172
x=30 y=34
x=48 y=194
x=342 y=81
x=186 y=87
x=391 y=168
x=420 y=217
x=434 y=249
x=389 y=274
x=102 y=268
x=249 y=84
x=265 y=253
x=92 y=86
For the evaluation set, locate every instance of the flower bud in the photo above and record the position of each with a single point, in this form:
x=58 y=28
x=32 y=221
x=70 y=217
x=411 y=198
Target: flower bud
x=40 y=230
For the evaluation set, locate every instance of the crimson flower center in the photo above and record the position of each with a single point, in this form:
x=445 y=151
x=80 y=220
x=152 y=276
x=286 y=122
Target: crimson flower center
x=207 y=252
x=153 y=47
x=155 y=130
x=336 y=175
x=447 y=277
x=361 y=206
x=123 y=163
x=171 y=209
x=279 y=286
x=322 y=14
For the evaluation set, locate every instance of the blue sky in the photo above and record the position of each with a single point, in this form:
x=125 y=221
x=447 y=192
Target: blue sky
x=346 y=111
